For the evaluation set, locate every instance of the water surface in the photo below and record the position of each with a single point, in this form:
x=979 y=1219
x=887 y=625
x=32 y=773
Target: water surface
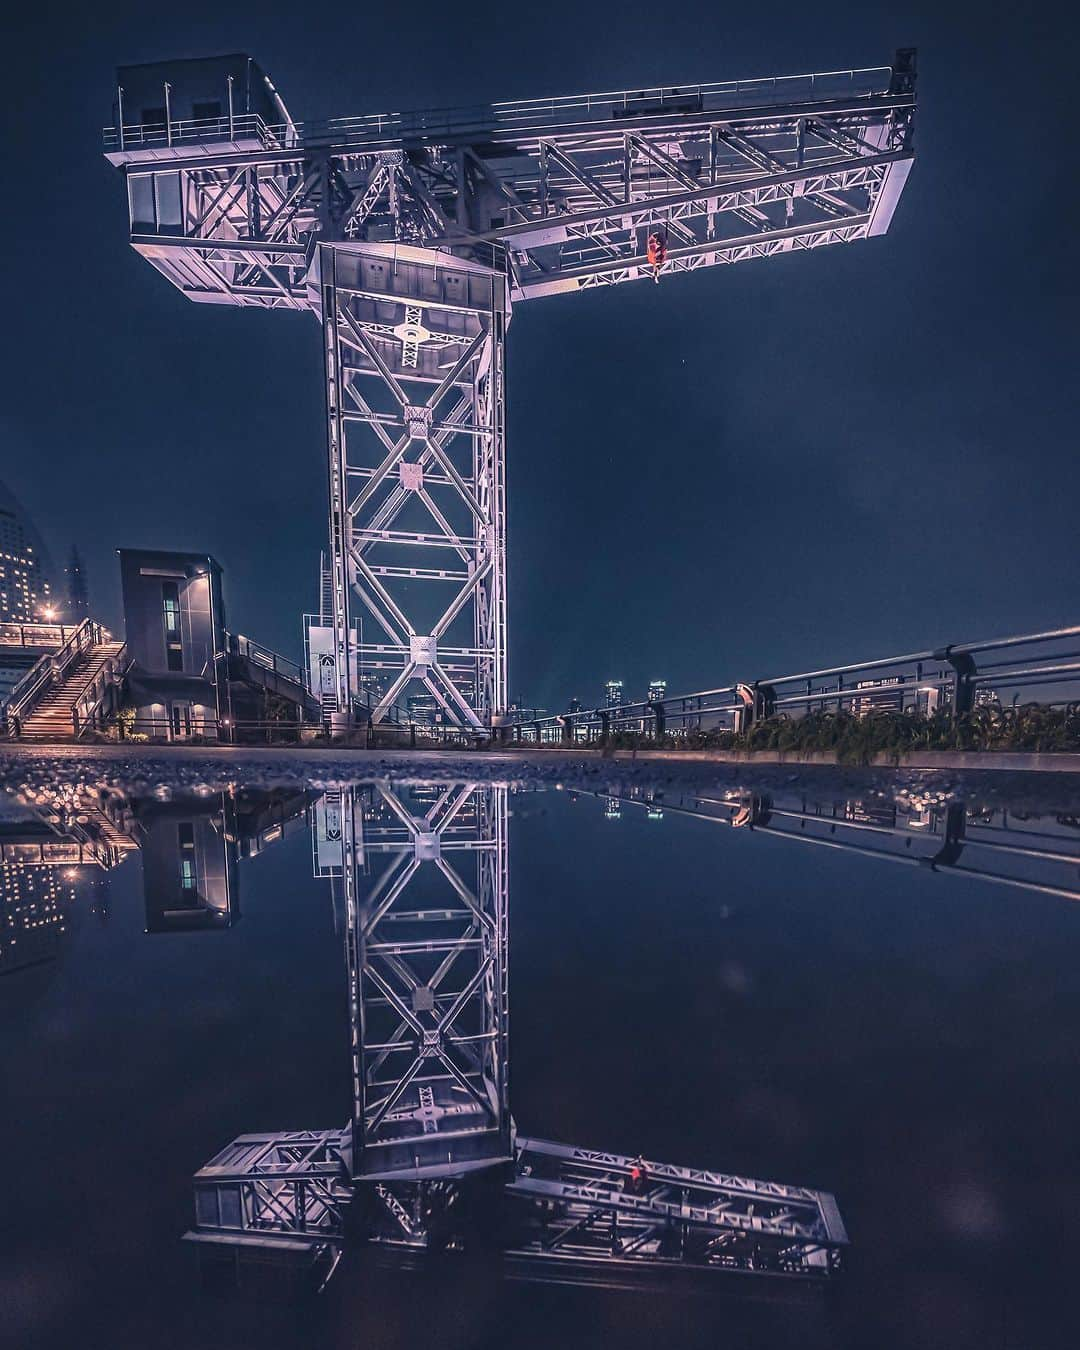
x=862 y=985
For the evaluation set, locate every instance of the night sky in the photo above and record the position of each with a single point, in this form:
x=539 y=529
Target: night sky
x=742 y=472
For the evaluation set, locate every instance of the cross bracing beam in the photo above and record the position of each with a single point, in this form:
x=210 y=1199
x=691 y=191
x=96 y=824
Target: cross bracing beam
x=414 y=344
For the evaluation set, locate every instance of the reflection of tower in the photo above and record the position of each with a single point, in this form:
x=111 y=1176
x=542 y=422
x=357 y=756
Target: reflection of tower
x=427 y=977
x=78 y=593
x=35 y=902
x=431 y=1157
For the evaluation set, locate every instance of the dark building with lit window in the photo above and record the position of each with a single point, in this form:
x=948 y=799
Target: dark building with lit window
x=26 y=590
x=174 y=619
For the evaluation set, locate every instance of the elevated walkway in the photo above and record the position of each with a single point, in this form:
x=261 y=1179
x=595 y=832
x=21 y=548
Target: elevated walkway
x=252 y=664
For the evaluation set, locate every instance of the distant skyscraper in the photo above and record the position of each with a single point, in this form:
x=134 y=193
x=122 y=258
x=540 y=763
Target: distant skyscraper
x=613 y=693
x=657 y=690
x=574 y=706
x=26 y=592
x=78 y=593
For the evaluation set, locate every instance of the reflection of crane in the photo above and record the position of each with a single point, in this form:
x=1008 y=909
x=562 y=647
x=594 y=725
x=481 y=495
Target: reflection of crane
x=410 y=236
x=431 y=1158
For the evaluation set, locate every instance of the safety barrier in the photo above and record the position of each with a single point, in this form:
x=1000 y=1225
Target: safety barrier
x=955 y=678
x=518 y=115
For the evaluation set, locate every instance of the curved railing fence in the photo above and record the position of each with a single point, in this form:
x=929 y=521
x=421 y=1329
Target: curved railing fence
x=1032 y=667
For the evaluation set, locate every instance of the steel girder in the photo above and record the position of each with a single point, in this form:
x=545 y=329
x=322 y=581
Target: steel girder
x=427 y=954
x=570 y=188
x=414 y=343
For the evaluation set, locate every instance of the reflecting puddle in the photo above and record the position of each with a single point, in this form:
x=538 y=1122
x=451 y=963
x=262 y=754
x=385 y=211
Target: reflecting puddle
x=271 y=1023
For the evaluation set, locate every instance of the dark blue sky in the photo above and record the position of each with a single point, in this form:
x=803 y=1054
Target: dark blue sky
x=741 y=472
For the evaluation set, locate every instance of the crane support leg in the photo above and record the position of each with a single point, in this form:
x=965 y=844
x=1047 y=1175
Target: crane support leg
x=414 y=352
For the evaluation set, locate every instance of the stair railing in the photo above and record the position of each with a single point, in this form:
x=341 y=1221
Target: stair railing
x=87 y=712
x=49 y=671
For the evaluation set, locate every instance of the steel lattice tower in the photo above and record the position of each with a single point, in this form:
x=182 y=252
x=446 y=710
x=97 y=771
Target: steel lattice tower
x=410 y=237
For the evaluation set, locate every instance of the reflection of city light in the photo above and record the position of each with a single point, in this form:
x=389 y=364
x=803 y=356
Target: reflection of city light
x=70 y=874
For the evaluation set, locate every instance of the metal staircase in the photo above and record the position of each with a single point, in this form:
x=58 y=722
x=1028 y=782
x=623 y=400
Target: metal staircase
x=69 y=692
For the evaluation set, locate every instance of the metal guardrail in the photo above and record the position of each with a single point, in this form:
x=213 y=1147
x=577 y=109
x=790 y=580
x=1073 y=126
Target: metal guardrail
x=199 y=131
x=49 y=670
x=514 y=115
x=13 y=634
x=262 y=656
x=88 y=711
x=954 y=678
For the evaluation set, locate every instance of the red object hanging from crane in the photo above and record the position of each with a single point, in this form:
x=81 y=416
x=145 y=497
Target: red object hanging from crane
x=656 y=251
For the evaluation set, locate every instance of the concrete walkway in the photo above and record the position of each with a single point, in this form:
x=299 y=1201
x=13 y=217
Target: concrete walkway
x=525 y=758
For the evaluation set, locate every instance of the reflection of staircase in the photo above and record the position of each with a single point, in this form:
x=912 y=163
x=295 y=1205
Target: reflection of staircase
x=49 y=716
x=118 y=842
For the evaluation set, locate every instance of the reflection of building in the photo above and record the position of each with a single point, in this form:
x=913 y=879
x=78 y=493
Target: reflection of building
x=26 y=590
x=189 y=869
x=35 y=901
x=191 y=847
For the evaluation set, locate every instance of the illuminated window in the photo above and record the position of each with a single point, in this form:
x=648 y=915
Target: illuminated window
x=170 y=599
x=189 y=880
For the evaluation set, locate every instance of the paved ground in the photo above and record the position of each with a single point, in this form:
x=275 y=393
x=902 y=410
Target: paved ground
x=1044 y=779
